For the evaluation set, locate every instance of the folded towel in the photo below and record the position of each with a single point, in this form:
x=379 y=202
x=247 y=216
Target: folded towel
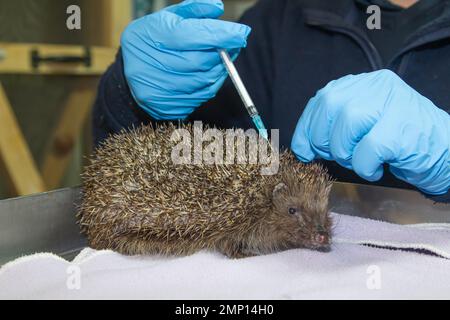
x=430 y=238
x=350 y=270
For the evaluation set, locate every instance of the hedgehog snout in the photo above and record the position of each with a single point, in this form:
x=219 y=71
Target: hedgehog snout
x=321 y=241
x=321 y=238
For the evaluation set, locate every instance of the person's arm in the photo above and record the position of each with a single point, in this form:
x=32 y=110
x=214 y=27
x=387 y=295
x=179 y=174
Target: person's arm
x=367 y=120
x=168 y=66
x=117 y=109
x=114 y=108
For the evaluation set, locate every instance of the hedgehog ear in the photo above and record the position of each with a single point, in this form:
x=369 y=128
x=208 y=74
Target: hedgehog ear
x=279 y=188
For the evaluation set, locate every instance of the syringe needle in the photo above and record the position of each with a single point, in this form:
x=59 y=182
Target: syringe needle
x=243 y=93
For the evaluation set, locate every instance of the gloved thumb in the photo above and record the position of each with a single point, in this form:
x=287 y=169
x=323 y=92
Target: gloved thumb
x=368 y=158
x=198 y=9
x=301 y=145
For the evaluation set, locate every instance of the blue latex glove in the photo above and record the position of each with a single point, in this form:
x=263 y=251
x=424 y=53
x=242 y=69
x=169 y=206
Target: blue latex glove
x=171 y=61
x=362 y=121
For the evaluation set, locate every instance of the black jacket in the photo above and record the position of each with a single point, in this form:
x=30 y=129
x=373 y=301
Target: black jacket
x=297 y=47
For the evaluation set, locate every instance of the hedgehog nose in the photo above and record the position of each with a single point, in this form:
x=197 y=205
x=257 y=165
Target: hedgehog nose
x=321 y=237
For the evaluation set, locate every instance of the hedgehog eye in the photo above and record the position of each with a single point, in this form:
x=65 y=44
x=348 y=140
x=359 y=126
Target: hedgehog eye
x=293 y=210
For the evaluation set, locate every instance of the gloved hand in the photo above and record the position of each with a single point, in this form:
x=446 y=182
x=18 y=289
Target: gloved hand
x=171 y=61
x=362 y=121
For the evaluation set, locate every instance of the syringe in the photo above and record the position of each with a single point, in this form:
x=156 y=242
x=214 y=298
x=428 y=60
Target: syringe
x=240 y=87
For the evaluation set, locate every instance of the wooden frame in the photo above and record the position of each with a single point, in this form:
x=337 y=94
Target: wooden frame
x=118 y=15
x=63 y=139
x=16 y=159
x=16 y=58
x=23 y=176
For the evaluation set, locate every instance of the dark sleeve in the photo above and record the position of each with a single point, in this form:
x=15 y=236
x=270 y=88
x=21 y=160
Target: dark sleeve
x=115 y=108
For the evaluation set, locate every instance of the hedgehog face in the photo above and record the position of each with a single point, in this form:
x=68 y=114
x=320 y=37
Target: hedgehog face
x=306 y=222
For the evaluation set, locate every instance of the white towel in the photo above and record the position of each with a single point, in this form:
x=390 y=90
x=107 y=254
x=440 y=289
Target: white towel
x=431 y=238
x=350 y=270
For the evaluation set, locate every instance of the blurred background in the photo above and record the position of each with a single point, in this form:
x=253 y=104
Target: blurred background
x=45 y=104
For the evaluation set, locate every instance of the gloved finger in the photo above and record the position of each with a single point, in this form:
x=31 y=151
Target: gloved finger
x=371 y=153
x=312 y=135
x=189 y=82
x=316 y=126
x=184 y=61
x=210 y=92
x=179 y=105
x=401 y=174
x=419 y=160
x=198 y=9
x=205 y=80
x=425 y=181
x=319 y=136
x=301 y=145
x=188 y=61
x=234 y=53
x=351 y=124
x=163 y=112
x=200 y=34
x=205 y=93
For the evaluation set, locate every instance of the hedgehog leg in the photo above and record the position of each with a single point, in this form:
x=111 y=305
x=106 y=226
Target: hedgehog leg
x=233 y=249
x=137 y=245
x=127 y=245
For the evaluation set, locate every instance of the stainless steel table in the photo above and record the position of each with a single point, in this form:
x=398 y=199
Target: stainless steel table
x=46 y=222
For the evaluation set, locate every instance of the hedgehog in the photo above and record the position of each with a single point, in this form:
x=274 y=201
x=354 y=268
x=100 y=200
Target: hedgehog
x=137 y=201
